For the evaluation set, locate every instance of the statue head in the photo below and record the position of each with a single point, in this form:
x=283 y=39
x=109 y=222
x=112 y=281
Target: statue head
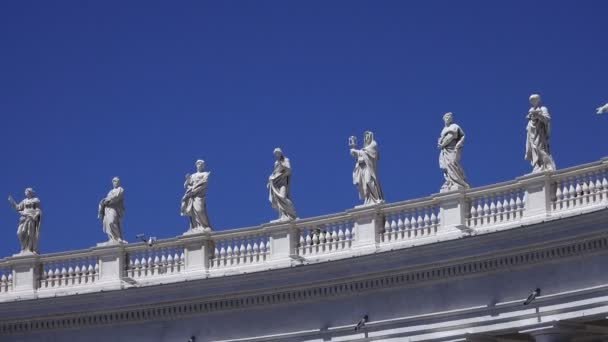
x=200 y=165
x=448 y=118
x=115 y=182
x=368 y=137
x=278 y=153
x=29 y=193
x=535 y=99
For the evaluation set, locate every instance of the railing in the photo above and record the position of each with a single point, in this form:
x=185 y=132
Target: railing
x=145 y=261
x=363 y=230
x=577 y=188
x=239 y=248
x=6 y=279
x=68 y=270
x=328 y=235
x=496 y=205
x=411 y=221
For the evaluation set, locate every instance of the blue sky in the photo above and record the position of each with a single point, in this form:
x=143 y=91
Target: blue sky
x=92 y=90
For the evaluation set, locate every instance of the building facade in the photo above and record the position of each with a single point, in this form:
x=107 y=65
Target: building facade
x=453 y=266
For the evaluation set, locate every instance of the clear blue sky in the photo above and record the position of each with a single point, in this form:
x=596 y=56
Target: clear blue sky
x=90 y=90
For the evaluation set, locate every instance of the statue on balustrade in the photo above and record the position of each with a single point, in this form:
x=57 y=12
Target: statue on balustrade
x=450 y=144
x=111 y=211
x=278 y=186
x=538 y=151
x=194 y=201
x=28 y=230
x=365 y=174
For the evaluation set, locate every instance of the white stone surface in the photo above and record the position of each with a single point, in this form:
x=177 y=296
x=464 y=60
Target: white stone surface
x=538 y=150
x=365 y=174
x=194 y=201
x=112 y=211
x=30 y=220
x=450 y=143
x=279 y=184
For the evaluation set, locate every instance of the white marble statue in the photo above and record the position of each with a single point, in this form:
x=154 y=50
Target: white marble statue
x=194 y=202
x=538 y=151
x=365 y=174
x=602 y=109
x=278 y=187
x=28 y=230
x=450 y=144
x=111 y=211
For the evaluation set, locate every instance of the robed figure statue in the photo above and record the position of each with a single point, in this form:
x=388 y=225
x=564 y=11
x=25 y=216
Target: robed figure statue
x=28 y=230
x=538 y=151
x=450 y=144
x=365 y=174
x=278 y=187
x=194 y=201
x=111 y=212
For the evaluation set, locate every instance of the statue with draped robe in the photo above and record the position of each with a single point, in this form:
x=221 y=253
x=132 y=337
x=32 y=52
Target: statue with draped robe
x=30 y=213
x=278 y=186
x=111 y=211
x=538 y=150
x=194 y=201
x=365 y=174
x=450 y=145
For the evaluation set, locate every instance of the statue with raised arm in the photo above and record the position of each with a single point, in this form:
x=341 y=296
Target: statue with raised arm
x=538 y=151
x=28 y=230
x=278 y=187
x=194 y=201
x=111 y=212
x=450 y=144
x=365 y=174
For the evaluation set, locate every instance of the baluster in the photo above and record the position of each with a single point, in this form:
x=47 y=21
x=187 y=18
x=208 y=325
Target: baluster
x=559 y=196
x=578 y=191
x=479 y=209
x=163 y=261
x=249 y=250
x=592 y=196
x=571 y=193
x=427 y=221
x=434 y=220
x=334 y=235
x=96 y=270
x=157 y=265
x=486 y=210
x=387 y=229
x=229 y=253
x=493 y=208
x=242 y=251
x=400 y=229
x=419 y=224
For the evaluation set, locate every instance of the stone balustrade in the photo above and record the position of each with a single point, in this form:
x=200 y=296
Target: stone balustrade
x=237 y=249
x=143 y=261
x=362 y=230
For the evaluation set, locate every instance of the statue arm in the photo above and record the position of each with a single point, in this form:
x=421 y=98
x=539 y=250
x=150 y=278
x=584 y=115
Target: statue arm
x=461 y=140
x=114 y=197
x=447 y=139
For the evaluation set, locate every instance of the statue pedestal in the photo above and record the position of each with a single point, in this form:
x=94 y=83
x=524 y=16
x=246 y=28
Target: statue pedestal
x=26 y=269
